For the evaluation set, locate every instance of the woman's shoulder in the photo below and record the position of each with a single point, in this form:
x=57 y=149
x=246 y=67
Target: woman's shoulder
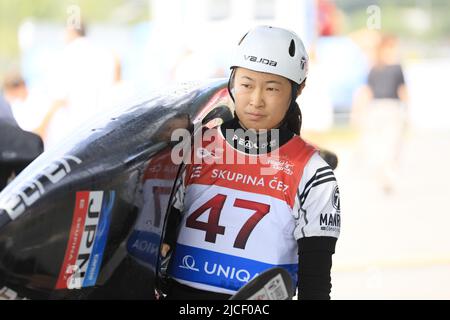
x=300 y=147
x=316 y=161
x=316 y=165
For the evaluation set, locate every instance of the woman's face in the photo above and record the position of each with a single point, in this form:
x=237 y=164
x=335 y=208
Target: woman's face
x=261 y=99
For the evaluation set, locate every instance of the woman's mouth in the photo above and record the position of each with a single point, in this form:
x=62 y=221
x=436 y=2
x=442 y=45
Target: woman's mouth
x=254 y=116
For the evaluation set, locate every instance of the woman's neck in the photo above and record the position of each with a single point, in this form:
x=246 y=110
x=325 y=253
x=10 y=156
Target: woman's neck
x=253 y=141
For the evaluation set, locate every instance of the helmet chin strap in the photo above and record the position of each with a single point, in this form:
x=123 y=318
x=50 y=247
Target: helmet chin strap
x=230 y=80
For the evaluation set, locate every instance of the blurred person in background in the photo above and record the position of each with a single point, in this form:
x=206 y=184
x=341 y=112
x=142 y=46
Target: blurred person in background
x=317 y=106
x=14 y=87
x=194 y=65
x=120 y=92
x=380 y=112
x=6 y=113
x=26 y=111
x=84 y=71
x=17 y=147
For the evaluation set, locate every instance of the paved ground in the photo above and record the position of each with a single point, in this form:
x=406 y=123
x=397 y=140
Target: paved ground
x=394 y=246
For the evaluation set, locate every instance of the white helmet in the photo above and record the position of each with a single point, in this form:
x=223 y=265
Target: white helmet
x=273 y=50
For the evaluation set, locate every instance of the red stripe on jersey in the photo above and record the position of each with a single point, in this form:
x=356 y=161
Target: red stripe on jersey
x=250 y=174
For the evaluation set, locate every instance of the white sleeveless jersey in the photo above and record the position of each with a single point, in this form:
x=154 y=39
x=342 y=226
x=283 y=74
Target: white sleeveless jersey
x=239 y=221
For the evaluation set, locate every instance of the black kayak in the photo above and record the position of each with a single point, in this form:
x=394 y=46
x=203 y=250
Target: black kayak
x=85 y=219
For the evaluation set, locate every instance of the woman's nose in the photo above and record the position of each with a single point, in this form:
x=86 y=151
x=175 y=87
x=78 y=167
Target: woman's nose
x=256 y=98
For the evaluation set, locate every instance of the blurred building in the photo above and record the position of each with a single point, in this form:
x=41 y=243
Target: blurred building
x=206 y=31
x=198 y=21
x=193 y=40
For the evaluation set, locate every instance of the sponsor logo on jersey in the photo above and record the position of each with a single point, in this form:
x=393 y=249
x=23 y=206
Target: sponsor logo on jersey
x=274 y=183
x=218 y=269
x=330 y=221
x=335 y=199
x=189 y=263
x=87 y=240
x=282 y=165
x=249 y=141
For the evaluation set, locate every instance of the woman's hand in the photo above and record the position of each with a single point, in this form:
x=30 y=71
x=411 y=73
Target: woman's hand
x=165 y=248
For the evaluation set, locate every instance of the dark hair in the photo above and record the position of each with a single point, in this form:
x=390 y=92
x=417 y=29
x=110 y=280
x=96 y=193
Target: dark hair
x=293 y=118
x=80 y=29
x=13 y=80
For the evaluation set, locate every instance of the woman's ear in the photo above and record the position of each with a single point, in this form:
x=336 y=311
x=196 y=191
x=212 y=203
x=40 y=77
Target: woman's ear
x=300 y=88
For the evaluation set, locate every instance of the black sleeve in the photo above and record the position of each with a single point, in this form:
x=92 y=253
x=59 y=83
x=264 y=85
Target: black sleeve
x=400 y=76
x=315 y=260
x=173 y=220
